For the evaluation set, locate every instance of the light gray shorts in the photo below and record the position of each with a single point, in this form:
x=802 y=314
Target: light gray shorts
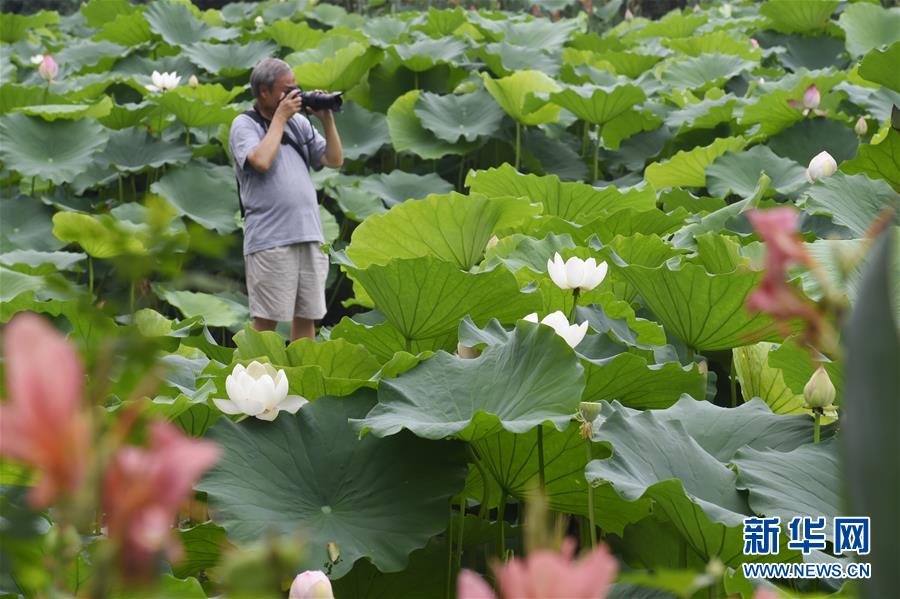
x=287 y=281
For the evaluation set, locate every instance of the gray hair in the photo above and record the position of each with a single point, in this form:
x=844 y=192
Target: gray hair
x=266 y=72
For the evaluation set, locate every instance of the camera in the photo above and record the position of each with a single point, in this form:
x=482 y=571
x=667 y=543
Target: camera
x=319 y=100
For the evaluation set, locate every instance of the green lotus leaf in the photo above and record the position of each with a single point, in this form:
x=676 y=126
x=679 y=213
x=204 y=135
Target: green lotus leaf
x=122 y=116
x=56 y=151
x=363 y=133
x=426 y=297
x=15 y=27
x=760 y=379
x=678 y=293
x=203 y=546
x=773 y=113
x=631 y=380
x=673 y=25
x=688 y=167
x=397 y=186
x=577 y=202
x=282 y=475
x=629 y=64
x=51 y=112
x=356 y=203
x=803 y=140
x=505 y=59
x=705 y=114
x=384 y=30
x=408 y=134
x=869 y=26
x=296 y=36
x=100 y=236
x=204 y=193
x=385 y=342
x=596 y=104
x=133 y=150
x=425 y=53
x=807 y=52
x=519 y=251
x=738 y=173
x=795 y=361
x=881 y=161
x=210 y=93
x=88 y=56
x=537 y=33
x=217 y=310
x=629 y=222
x=454 y=228
x=548 y=155
x=25 y=224
x=513 y=93
x=13 y=96
x=48 y=287
x=657 y=459
x=42 y=263
x=175 y=22
x=130 y=29
x=228 y=60
x=715 y=42
x=530 y=379
x=99 y=12
x=803 y=482
x=337 y=70
x=798 y=16
x=196 y=113
x=452 y=117
x=855 y=201
x=878 y=66
x=628 y=125
x=705 y=71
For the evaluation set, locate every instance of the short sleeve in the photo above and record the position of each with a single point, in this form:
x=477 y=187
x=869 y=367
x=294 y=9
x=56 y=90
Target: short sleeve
x=245 y=136
x=316 y=143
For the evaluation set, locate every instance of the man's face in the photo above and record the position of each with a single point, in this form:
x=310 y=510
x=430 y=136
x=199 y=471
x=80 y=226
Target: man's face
x=269 y=98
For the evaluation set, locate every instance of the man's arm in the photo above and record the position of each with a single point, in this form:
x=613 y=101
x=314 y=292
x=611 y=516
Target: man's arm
x=263 y=155
x=334 y=151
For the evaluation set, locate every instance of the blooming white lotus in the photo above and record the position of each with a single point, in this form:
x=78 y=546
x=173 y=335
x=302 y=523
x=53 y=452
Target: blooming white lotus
x=163 y=82
x=572 y=333
x=822 y=165
x=258 y=390
x=576 y=273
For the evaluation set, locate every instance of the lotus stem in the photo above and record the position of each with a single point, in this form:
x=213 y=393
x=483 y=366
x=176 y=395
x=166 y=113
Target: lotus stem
x=733 y=381
x=574 y=304
x=590 y=494
x=501 y=512
x=486 y=491
x=449 y=553
x=462 y=529
x=816 y=425
x=540 y=444
x=596 y=151
x=90 y=274
x=416 y=79
x=32 y=185
x=131 y=298
x=518 y=144
x=121 y=189
x=187 y=136
x=585 y=136
x=134 y=187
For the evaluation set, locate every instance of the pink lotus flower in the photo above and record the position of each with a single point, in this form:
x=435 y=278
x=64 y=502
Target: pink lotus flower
x=546 y=574
x=312 y=584
x=48 y=68
x=811 y=97
x=754 y=43
x=143 y=490
x=42 y=424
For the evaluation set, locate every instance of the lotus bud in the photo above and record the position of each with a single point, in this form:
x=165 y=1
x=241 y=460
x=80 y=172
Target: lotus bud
x=334 y=552
x=312 y=584
x=754 y=43
x=466 y=352
x=628 y=14
x=492 y=241
x=822 y=165
x=811 y=97
x=819 y=392
x=259 y=22
x=48 y=68
x=861 y=127
x=193 y=82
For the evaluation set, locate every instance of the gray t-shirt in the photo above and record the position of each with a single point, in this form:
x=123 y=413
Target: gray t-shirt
x=280 y=205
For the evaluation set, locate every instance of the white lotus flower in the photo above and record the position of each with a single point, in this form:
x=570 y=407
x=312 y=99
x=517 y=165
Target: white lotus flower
x=258 y=390
x=259 y=22
x=193 y=82
x=822 y=165
x=37 y=59
x=572 y=333
x=163 y=82
x=576 y=273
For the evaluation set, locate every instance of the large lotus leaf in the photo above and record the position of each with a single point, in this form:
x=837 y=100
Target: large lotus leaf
x=203 y=193
x=196 y=113
x=505 y=59
x=738 y=173
x=52 y=112
x=216 y=310
x=659 y=460
x=425 y=576
x=211 y=93
x=629 y=64
x=451 y=117
x=296 y=36
x=339 y=70
x=363 y=133
x=98 y=12
x=541 y=33
x=132 y=150
x=688 y=167
x=797 y=365
x=228 y=60
x=175 y=23
x=878 y=66
x=705 y=114
x=706 y=71
x=869 y=26
x=512 y=460
x=803 y=482
x=88 y=56
x=398 y=186
x=426 y=297
x=673 y=25
x=25 y=224
x=408 y=134
x=454 y=228
x=703 y=309
x=126 y=30
x=39 y=262
x=516 y=95
x=100 y=236
x=55 y=151
x=798 y=16
x=15 y=27
x=773 y=113
x=608 y=314
x=13 y=95
x=356 y=204
x=881 y=161
x=715 y=42
x=384 y=341
x=127 y=115
x=577 y=202
x=376 y=498
x=629 y=378
x=596 y=104
x=425 y=53
x=803 y=140
x=532 y=378
x=760 y=379
x=855 y=201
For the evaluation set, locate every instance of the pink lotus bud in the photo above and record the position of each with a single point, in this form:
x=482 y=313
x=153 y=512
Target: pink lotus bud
x=312 y=584
x=48 y=68
x=861 y=127
x=754 y=43
x=628 y=14
x=811 y=97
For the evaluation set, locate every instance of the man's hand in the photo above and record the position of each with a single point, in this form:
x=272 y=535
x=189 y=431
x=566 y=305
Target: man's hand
x=290 y=105
x=322 y=115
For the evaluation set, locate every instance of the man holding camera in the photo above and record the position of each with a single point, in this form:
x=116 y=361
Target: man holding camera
x=273 y=148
